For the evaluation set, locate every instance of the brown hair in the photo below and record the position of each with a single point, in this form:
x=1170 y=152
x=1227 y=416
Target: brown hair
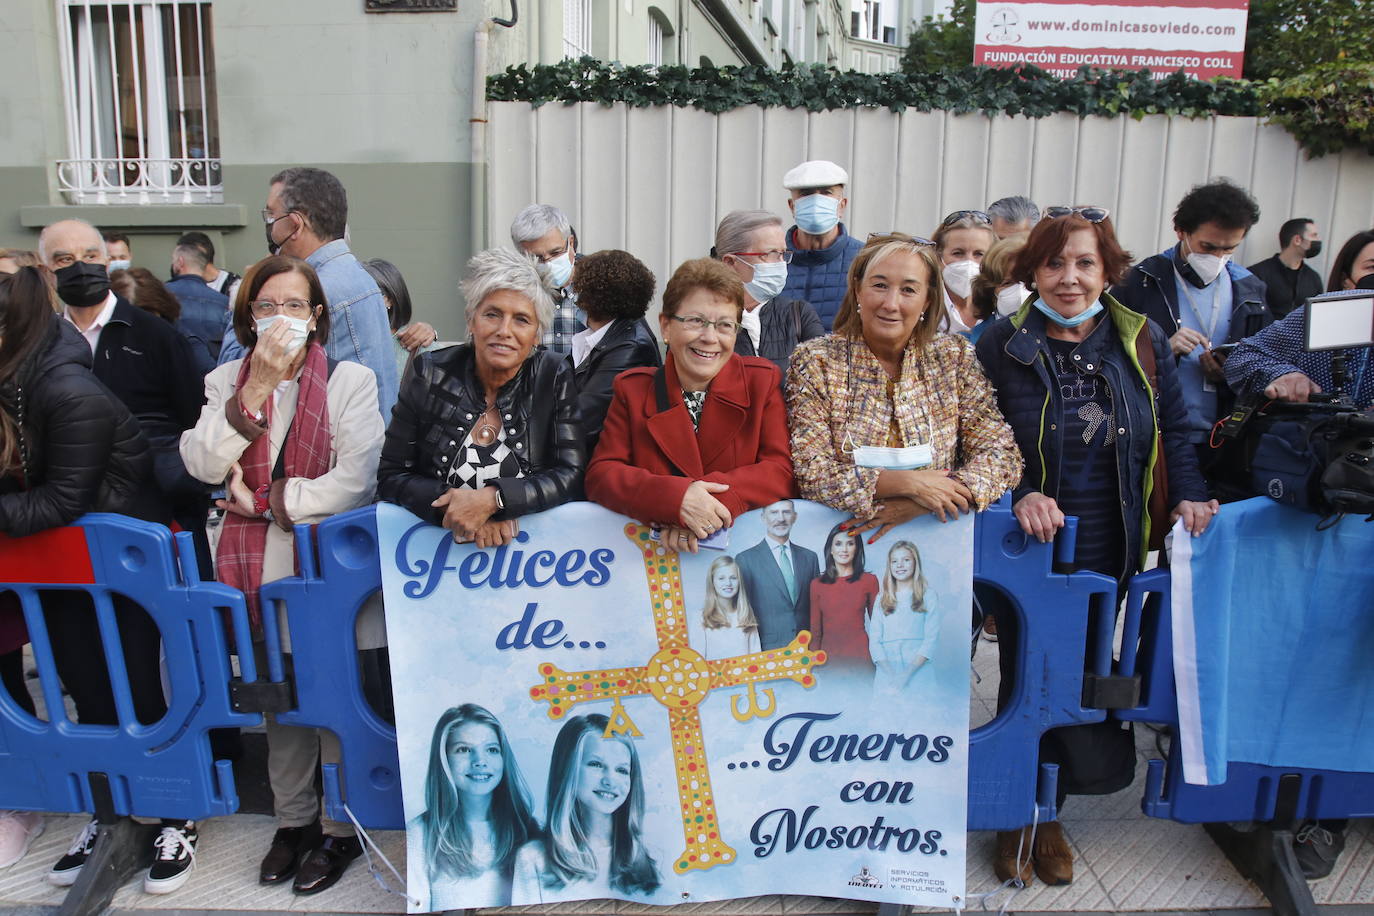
x=258 y=275
x=993 y=274
x=613 y=284
x=1051 y=234
x=141 y=287
x=713 y=613
x=967 y=222
x=22 y=257
x=703 y=273
x=848 y=321
x=28 y=306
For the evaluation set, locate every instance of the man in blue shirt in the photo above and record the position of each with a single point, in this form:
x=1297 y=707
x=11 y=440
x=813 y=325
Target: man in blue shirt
x=821 y=246
x=204 y=310
x=305 y=216
x=545 y=233
x=1201 y=298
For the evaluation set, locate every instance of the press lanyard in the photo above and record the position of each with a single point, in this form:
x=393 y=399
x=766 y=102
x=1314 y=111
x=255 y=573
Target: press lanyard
x=1215 y=314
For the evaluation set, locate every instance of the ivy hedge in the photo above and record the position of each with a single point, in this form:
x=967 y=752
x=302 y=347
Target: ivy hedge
x=1332 y=122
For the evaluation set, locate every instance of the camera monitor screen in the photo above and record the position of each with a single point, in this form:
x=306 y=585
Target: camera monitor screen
x=1339 y=320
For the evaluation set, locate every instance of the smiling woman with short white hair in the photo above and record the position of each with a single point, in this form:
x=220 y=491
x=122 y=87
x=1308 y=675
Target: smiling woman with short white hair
x=489 y=430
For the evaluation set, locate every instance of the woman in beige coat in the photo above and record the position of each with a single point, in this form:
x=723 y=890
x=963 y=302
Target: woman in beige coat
x=295 y=438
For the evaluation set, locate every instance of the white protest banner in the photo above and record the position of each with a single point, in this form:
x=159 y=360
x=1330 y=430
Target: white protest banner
x=584 y=714
x=1204 y=38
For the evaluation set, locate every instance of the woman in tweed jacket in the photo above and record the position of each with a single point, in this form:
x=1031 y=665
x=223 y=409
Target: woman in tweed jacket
x=889 y=377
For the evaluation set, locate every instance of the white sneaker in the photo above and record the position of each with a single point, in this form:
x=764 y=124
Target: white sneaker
x=174 y=854
x=17 y=830
x=65 y=872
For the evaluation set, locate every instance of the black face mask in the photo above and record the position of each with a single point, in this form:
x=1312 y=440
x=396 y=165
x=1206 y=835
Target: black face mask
x=274 y=248
x=82 y=285
x=1314 y=250
x=1366 y=282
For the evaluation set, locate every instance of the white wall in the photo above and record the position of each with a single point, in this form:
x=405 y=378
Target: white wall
x=655 y=181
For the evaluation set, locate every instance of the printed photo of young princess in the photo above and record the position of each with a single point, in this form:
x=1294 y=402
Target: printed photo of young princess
x=842 y=599
x=726 y=626
x=904 y=628
x=593 y=839
x=477 y=814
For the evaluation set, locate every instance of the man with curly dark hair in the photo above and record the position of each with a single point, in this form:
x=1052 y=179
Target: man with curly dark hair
x=1201 y=298
x=614 y=288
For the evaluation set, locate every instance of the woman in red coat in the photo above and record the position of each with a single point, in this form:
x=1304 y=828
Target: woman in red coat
x=692 y=445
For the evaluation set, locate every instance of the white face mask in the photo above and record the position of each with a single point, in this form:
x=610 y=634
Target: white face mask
x=769 y=279
x=300 y=329
x=561 y=268
x=1009 y=300
x=116 y=264
x=1207 y=266
x=908 y=458
x=959 y=277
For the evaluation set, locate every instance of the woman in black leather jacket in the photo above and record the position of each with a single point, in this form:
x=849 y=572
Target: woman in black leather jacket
x=67 y=447
x=489 y=430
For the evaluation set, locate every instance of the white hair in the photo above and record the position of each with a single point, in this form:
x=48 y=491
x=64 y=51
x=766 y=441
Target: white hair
x=43 y=238
x=503 y=269
x=737 y=227
x=535 y=221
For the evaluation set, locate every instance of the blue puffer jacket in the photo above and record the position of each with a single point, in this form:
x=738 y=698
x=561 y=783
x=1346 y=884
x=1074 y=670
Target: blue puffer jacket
x=1016 y=356
x=818 y=277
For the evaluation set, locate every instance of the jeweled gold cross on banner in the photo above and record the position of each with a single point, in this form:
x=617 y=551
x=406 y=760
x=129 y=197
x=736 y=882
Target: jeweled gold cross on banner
x=680 y=678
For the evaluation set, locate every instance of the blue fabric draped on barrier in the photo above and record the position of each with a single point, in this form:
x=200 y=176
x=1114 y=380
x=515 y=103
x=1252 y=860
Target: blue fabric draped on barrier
x=1272 y=642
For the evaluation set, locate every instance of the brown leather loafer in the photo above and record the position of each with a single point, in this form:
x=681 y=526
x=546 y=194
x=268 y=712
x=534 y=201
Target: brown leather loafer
x=1005 y=863
x=289 y=846
x=323 y=868
x=1053 y=855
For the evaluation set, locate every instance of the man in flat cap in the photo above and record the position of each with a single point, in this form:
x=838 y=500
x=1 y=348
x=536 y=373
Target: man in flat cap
x=821 y=247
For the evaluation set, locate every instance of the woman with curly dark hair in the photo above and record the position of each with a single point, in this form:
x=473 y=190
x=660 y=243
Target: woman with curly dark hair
x=614 y=288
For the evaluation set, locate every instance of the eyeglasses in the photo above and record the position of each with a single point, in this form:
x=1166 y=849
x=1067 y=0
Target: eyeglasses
x=1091 y=214
x=294 y=308
x=269 y=217
x=895 y=236
x=979 y=216
x=548 y=256
x=697 y=325
x=767 y=257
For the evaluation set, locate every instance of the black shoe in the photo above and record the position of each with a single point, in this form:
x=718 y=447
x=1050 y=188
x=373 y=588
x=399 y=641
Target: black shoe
x=1317 y=849
x=289 y=846
x=174 y=854
x=323 y=868
x=65 y=872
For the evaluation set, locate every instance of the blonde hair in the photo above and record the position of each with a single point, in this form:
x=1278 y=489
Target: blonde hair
x=887 y=598
x=850 y=324
x=713 y=615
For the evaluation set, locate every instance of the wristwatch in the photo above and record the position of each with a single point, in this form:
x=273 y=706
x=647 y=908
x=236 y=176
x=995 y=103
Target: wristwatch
x=500 y=503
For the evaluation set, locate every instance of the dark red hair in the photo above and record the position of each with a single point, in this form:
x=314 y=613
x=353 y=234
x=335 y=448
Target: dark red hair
x=1049 y=237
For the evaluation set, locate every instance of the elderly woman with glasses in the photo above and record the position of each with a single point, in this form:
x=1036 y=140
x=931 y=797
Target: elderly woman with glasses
x=692 y=445
x=1092 y=394
x=962 y=240
x=890 y=378
x=489 y=430
x=753 y=245
x=294 y=436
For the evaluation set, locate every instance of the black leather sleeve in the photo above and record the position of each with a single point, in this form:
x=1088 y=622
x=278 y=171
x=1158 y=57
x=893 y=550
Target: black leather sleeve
x=400 y=477
x=556 y=470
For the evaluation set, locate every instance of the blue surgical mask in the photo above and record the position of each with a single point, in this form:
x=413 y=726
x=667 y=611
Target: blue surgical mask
x=1089 y=312
x=816 y=214
x=561 y=268
x=769 y=279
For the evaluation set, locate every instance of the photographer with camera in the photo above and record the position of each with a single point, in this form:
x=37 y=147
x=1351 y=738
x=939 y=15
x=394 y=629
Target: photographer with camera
x=1276 y=364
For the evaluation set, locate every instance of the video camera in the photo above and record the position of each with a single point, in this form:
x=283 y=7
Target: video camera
x=1317 y=456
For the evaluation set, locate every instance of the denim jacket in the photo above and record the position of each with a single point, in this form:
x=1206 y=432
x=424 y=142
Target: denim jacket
x=358 y=328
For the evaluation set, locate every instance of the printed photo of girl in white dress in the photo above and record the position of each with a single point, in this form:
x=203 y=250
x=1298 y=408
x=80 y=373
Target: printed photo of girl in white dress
x=593 y=843
x=905 y=626
x=477 y=814
x=727 y=626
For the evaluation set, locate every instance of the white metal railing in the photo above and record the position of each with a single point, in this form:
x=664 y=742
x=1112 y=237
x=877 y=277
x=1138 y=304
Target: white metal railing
x=138 y=81
x=141 y=181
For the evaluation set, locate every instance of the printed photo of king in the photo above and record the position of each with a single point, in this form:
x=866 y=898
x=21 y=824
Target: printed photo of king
x=777 y=577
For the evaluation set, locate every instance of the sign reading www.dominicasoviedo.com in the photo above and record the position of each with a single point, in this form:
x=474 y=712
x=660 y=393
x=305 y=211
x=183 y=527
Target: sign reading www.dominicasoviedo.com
x=1204 y=38
x=584 y=714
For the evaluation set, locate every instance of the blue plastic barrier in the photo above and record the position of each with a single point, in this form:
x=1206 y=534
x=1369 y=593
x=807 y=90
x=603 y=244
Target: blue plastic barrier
x=160 y=770
x=1006 y=782
x=1251 y=791
x=339 y=571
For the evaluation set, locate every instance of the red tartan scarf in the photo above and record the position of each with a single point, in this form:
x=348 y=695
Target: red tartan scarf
x=243 y=540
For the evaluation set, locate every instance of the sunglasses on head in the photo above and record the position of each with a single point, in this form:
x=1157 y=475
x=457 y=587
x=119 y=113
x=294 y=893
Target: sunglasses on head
x=980 y=216
x=1091 y=214
x=895 y=236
